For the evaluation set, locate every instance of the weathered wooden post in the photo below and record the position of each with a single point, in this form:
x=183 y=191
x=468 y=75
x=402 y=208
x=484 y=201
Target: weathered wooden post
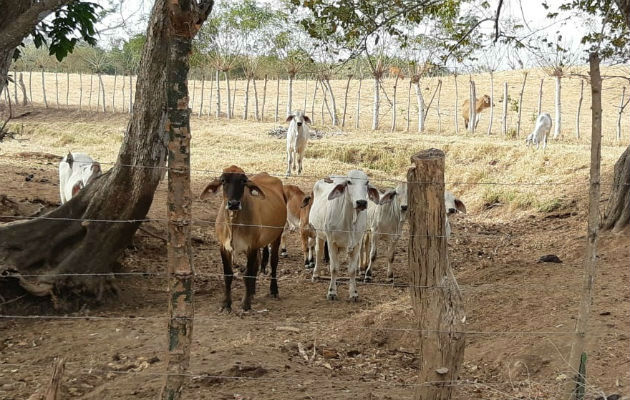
x=577 y=381
x=435 y=295
x=520 y=105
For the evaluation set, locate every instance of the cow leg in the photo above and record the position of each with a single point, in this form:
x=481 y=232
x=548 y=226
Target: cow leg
x=353 y=264
x=304 y=239
x=228 y=275
x=265 y=260
x=476 y=120
x=283 y=242
x=334 y=267
x=391 y=249
x=319 y=245
x=326 y=253
x=250 y=278
x=311 y=252
x=273 y=287
x=373 y=253
x=289 y=160
x=299 y=157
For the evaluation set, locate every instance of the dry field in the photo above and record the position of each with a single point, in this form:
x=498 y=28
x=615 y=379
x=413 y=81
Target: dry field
x=73 y=89
x=522 y=204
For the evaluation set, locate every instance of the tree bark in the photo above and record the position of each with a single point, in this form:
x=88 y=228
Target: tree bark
x=333 y=102
x=456 y=107
x=25 y=99
x=234 y=98
x=15 y=85
x=210 y=96
x=520 y=106
x=90 y=97
x=408 y=106
x=394 y=103
x=100 y=79
x=358 y=111
x=68 y=88
x=264 y=99
x=218 y=95
x=617 y=215
x=203 y=84
x=44 y=89
x=540 y=93
x=113 y=93
x=256 y=110
x=290 y=94
x=576 y=383
x=439 y=113
x=421 y=107
x=229 y=98
x=558 y=121
x=313 y=102
x=579 y=109
x=246 y=105
x=505 y=109
x=277 y=98
x=30 y=85
x=57 y=88
x=472 y=103
x=491 y=103
x=131 y=92
x=436 y=298
x=622 y=106
x=376 y=104
x=75 y=238
x=81 y=90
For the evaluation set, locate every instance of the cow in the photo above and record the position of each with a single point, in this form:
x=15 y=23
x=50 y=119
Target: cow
x=76 y=170
x=298 y=208
x=395 y=72
x=540 y=132
x=338 y=216
x=297 y=138
x=453 y=205
x=385 y=221
x=252 y=215
x=480 y=104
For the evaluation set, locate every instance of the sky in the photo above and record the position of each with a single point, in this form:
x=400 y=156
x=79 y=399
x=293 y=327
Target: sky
x=132 y=20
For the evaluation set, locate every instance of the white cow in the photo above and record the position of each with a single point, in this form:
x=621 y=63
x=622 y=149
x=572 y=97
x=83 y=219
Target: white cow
x=76 y=170
x=338 y=216
x=297 y=137
x=541 y=131
x=385 y=221
x=453 y=205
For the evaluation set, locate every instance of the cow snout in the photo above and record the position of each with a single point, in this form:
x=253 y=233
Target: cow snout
x=299 y=124
x=361 y=204
x=451 y=211
x=234 y=205
x=403 y=208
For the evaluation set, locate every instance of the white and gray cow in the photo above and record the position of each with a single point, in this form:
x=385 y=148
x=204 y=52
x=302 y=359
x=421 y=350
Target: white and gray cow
x=453 y=205
x=297 y=138
x=541 y=131
x=76 y=170
x=338 y=215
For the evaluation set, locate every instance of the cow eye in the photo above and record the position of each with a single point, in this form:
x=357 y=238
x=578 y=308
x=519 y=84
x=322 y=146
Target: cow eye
x=349 y=182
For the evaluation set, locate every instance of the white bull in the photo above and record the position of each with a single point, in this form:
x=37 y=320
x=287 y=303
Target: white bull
x=338 y=216
x=297 y=138
x=76 y=170
x=540 y=132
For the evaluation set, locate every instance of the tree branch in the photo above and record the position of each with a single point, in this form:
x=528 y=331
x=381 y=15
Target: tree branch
x=496 y=21
x=15 y=31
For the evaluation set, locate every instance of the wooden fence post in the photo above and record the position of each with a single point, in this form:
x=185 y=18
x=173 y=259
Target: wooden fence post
x=394 y=103
x=277 y=98
x=130 y=94
x=114 y=92
x=456 y=106
x=345 y=102
x=576 y=382
x=622 y=106
x=203 y=84
x=358 y=109
x=540 y=93
x=44 y=89
x=520 y=106
x=505 y=109
x=491 y=102
x=435 y=295
x=579 y=109
x=472 y=113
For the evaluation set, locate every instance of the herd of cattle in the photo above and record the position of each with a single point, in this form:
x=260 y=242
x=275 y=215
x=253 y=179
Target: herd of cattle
x=342 y=213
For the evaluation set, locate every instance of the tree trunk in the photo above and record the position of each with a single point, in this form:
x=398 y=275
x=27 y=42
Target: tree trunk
x=558 y=122
x=229 y=98
x=520 y=106
x=210 y=96
x=313 y=102
x=131 y=92
x=394 y=103
x=44 y=89
x=246 y=105
x=358 y=110
x=122 y=89
x=437 y=106
x=100 y=79
x=113 y=93
x=75 y=238
x=345 y=102
x=277 y=98
x=57 y=88
x=256 y=111
x=505 y=109
x=203 y=84
x=290 y=94
x=439 y=313
x=456 y=107
x=325 y=103
x=622 y=106
x=81 y=90
x=617 y=215
x=25 y=99
x=333 y=102
x=376 y=104
x=576 y=383
x=428 y=108
x=218 y=95
x=540 y=93
x=15 y=83
x=408 y=106
x=579 y=109
x=67 y=88
x=472 y=103
x=491 y=103
x=233 y=98
x=6 y=57
x=305 y=92
x=262 y=107
x=421 y=107
x=30 y=85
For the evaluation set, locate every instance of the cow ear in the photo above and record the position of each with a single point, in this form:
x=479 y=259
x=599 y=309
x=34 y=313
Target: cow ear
x=96 y=171
x=328 y=180
x=307 y=119
x=388 y=197
x=69 y=159
x=337 y=191
x=290 y=118
x=306 y=201
x=254 y=190
x=211 y=188
x=373 y=194
x=461 y=207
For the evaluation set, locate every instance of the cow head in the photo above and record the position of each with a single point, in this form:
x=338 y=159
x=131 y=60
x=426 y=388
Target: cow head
x=83 y=174
x=485 y=101
x=400 y=194
x=453 y=204
x=234 y=181
x=357 y=186
x=299 y=118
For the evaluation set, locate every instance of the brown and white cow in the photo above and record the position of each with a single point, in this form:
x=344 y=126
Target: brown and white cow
x=298 y=208
x=480 y=104
x=252 y=215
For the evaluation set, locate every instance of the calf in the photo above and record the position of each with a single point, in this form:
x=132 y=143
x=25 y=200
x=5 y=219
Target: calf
x=480 y=104
x=541 y=131
x=338 y=216
x=385 y=221
x=297 y=137
x=247 y=221
x=298 y=208
x=76 y=170
x=453 y=205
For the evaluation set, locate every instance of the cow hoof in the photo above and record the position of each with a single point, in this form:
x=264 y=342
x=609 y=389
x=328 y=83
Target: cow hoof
x=331 y=296
x=225 y=309
x=284 y=254
x=274 y=295
x=368 y=278
x=354 y=298
x=247 y=307
x=315 y=278
x=310 y=265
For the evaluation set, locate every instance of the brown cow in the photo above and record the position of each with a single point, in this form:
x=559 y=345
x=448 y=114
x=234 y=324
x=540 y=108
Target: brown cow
x=247 y=221
x=396 y=72
x=298 y=208
x=481 y=104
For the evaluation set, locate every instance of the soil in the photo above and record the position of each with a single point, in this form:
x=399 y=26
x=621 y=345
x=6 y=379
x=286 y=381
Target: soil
x=301 y=346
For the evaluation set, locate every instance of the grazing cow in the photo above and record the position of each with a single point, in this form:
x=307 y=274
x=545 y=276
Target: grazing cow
x=396 y=72
x=247 y=221
x=76 y=170
x=298 y=208
x=338 y=216
x=541 y=131
x=385 y=221
x=480 y=104
x=297 y=137
x=453 y=205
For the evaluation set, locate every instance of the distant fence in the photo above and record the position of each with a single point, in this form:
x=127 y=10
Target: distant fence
x=266 y=99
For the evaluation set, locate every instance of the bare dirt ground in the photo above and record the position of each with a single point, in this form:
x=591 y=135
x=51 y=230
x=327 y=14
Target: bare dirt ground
x=302 y=346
